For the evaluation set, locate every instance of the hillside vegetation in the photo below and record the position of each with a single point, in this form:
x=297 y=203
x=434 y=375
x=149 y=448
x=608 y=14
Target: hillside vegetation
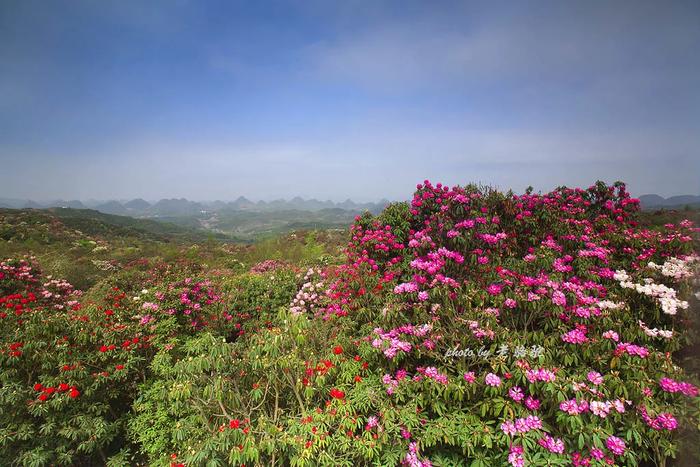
x=466 y=327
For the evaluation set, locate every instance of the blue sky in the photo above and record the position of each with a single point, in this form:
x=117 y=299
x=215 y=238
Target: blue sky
x=211 y=100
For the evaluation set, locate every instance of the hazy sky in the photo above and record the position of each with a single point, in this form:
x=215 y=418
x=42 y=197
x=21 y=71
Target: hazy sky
x=336 y=99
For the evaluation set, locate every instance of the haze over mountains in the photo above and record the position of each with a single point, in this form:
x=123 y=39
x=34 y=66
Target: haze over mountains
x=174 y=207
x=182 y=207
x=656 y=201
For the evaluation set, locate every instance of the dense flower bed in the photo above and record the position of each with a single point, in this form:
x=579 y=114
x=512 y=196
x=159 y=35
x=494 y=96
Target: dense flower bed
x=467 y=327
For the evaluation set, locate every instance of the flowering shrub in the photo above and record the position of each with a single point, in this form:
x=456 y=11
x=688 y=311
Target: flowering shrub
x=467 y=327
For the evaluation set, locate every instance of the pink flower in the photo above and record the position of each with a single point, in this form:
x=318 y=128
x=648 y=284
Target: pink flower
x=575 y=336
x=494 y=289
x=572 y=407
x=595 y=378
x=558 y=298
x=516 y=393
x=508 y=427
x=146 y=319
x=531 y=403
x=615 y=445
x=515 y=456
x=600 y=408
x=492 y=380
x=540 y=374
x=612 y=335
x=667 y=421
x=554 y=445
x=469 y=377
x=372 y=422
x=671 y=385
x=631 y=349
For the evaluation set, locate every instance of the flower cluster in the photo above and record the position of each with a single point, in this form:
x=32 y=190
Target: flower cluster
x=521 y=425
x=309 y=297
x=685 y=388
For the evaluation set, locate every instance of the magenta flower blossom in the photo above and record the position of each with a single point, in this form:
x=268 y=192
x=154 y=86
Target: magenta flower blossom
x=531 y=403
x=612 y=335
x=432 y=373
x=372 y=422
x=615 y=445
x=412 y=458
x=521 y=425
x=631 y=349
x=575 y=336
x=146 y=319
x=554 y=445
x=492 y=380
x=540 y=374
x=595 y=378
x=515 y=456
x=516 y=393
x=558 y=298
x=494 y=289
x=671 y=385
x=572 y=407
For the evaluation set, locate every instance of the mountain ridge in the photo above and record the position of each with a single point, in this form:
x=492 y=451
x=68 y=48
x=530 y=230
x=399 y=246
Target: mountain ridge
x=138 y=207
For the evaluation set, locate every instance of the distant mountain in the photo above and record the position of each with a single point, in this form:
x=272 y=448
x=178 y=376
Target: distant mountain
x=241 y=203
x=59 y=203
x=176 y=207
x=112 y=207
x=655 y=201
x=137 y=204
x=31 y=204
x=12 y=203
x=182 y=207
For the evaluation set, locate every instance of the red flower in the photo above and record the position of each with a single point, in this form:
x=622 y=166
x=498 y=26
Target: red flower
x=357 y=358
x=63 y=387
x=74 y=393
x=119 y=367
x=38 y=387
x=233 y=424
x=103 y=348
x=43 y=397
x=337 y=394
x=338 y=350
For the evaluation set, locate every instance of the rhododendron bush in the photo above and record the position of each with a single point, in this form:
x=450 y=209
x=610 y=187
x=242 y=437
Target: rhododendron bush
x=466 y=327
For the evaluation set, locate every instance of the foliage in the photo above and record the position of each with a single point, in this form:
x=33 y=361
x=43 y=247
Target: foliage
x=467 y=327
